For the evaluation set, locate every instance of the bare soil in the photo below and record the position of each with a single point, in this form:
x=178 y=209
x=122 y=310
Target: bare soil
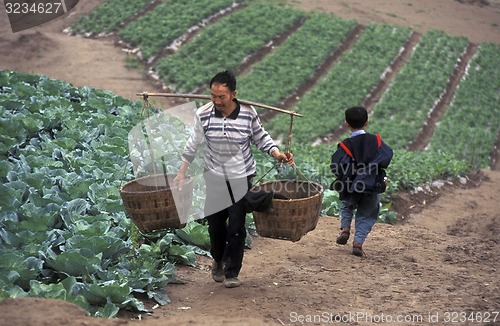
x=441 y=259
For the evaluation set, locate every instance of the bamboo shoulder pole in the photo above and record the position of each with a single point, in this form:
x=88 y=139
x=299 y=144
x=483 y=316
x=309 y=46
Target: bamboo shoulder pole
x=207 y=97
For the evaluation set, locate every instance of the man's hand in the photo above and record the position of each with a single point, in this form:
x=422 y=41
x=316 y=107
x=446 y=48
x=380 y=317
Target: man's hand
x=180 y=178
x=179 y=181
x=285 y=157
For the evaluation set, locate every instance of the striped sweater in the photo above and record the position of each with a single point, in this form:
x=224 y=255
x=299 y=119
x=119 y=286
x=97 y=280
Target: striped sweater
x=227 y=141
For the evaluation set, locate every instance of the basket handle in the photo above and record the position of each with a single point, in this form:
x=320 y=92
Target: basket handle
x=287 y=151
x=145 y=112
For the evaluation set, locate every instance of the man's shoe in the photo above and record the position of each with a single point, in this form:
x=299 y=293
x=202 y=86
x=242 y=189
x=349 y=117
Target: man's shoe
x=343 y=237
x=217 y=271
x=232 y=282
x=357 y=249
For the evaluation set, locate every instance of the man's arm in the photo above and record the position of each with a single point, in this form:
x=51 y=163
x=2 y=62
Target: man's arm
x=264 y=142
x=190 y=150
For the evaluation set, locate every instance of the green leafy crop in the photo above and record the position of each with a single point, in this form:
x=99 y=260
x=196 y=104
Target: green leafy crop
x=63 y=230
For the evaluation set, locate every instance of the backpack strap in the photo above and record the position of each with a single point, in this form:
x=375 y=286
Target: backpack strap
x=379 y=140
x=346 y=149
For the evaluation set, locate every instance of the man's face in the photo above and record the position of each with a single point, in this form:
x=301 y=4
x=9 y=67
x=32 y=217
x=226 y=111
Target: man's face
x=222 y=97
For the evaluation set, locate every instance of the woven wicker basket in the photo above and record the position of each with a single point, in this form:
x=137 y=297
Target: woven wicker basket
x=292 y=218
x=151 y=206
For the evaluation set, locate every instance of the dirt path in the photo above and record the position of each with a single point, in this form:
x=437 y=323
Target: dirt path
x=443 y=259
x=439 y=261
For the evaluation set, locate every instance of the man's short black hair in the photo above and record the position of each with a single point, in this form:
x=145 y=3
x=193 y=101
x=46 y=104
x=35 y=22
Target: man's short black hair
x=225 y=77
x=356 y=116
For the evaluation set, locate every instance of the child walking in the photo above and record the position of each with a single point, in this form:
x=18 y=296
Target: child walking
x=359 y=165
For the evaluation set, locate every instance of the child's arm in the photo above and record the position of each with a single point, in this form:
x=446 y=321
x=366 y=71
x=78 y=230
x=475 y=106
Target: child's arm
x=385 y=156
x=337 y=161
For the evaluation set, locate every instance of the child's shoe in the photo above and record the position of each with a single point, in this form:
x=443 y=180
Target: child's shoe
x=357 y=249
x=343 y=237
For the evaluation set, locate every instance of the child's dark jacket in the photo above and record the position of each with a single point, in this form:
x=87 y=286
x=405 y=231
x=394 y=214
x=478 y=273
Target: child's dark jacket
x=371 y=156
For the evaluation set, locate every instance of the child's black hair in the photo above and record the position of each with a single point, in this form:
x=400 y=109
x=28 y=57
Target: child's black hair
x=356 y=116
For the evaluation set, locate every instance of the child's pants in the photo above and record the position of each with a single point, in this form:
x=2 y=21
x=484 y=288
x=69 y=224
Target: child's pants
x=367 y=211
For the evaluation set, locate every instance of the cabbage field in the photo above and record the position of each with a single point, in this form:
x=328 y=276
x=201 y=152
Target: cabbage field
x=64 y=153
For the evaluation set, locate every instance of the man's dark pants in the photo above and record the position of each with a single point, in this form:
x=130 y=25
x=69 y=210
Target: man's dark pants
x=226 y=226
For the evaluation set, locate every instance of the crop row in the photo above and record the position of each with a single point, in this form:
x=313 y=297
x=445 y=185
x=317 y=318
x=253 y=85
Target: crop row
x=168 y=21
x=404 y=108
x=108 y=16
x=471 y=124
x=292 y=63
x=346 y=84
x=399 y=115
x=224 y=45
